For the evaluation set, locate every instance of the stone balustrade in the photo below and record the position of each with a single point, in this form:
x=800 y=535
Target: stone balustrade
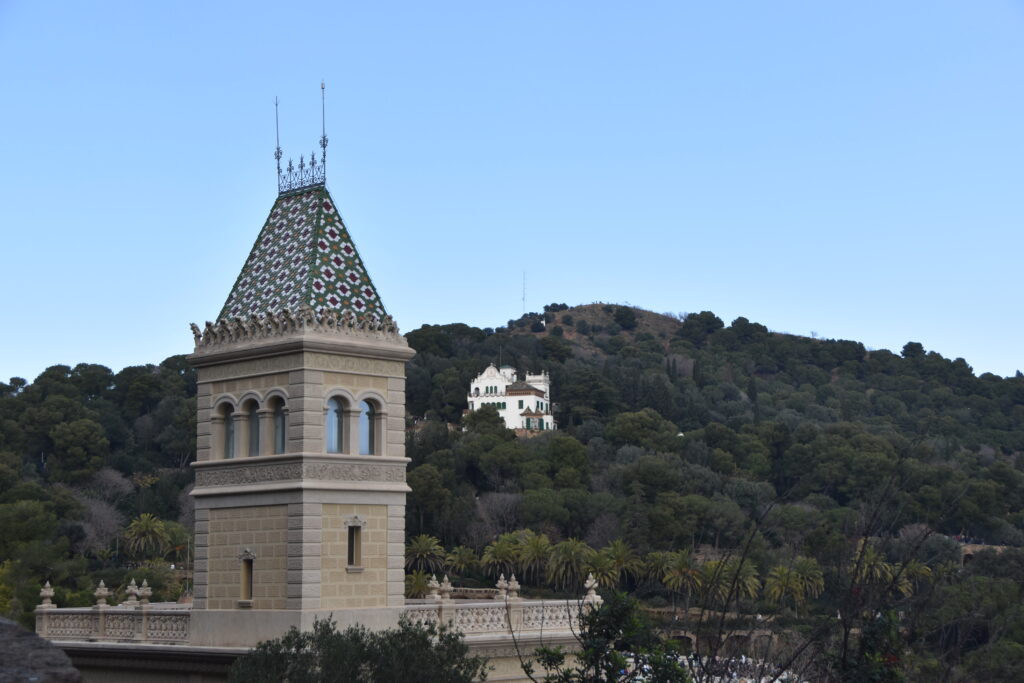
x=142 y=623
x=492 y=617
x=169 y=623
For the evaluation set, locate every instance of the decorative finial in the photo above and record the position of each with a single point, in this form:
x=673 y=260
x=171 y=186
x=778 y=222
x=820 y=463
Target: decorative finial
x=102 y=593
x=502 y=587
x=445 y=589
x=307 y=175
x=46 y=593
x=433 y=588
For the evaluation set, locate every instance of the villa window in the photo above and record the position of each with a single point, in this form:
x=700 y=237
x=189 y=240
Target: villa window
x=335 y=426
x=245 y=587
x=246 y=579
x=520 y=405
x=354 y=546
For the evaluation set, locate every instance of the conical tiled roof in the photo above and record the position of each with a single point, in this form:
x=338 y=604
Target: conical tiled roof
x=303 y=256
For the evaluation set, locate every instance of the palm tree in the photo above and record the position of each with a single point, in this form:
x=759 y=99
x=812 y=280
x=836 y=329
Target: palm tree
x=533 y=552
x=869 y=567
x=567 y=564
x=625 y=560
x=748 y=583
x=723 y=581
x=797 y=581
x=681 y=574
x=461 y=560
x=602 y=566
x=424 y=553
x=908 y=578
x=655 y=564
x=147 y=536
x=809 y=571
x=784 y=582
x=417 y=583
x=500 y=556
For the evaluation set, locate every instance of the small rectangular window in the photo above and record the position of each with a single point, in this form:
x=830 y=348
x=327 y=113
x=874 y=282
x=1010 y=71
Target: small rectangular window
x=520 y=404
x=246 y=592
x=355 y=554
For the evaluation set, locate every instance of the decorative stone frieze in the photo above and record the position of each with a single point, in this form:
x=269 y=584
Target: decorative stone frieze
x=312 y=471
x=226 y=332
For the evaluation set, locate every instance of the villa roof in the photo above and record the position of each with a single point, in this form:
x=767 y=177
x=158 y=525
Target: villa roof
x=304 y=256
x=522 y=387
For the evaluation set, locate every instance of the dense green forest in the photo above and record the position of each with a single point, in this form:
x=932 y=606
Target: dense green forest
x=716 y=471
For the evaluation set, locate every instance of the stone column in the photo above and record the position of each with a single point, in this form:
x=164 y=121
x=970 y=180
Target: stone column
x=396 y=555
x=305 y=524
x=350 y=431
x=393 y=433
x=241 y=435
x=201 y=561
x=217 y=437
x=266 y=418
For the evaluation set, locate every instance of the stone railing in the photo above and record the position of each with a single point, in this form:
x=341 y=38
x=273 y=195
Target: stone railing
x=515 y=616
x=460 y=593
x=326 y=321
x=504 y=611
x=118 y=624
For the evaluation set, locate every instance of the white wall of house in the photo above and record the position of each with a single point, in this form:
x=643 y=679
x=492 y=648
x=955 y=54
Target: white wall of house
x=491 y=387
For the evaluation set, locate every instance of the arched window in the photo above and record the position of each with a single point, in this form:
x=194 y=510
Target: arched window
x=229 y=432
x=335 y=426
x=254 y=429
x=280 y=427
x=367 y=429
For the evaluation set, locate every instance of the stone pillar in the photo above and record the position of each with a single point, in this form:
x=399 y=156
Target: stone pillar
x=217 y=438
x=242 y=435
x=305 y=416
x=394 y=426
x=266 y=418
x=201 y=562
x=350 y=431
x=396 y=555
x=305 y=524
x=204 y=420
x=380 y=431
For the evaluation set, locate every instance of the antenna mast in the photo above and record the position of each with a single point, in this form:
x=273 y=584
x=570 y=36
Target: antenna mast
x=323 y=130
x=277 y=137
x=524 y=292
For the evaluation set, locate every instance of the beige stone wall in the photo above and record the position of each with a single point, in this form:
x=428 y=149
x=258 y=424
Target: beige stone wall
x=341 y=587
x=259 y=384
x=264 y=531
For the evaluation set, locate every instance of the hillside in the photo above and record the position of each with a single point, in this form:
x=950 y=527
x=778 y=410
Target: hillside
x=683 y=441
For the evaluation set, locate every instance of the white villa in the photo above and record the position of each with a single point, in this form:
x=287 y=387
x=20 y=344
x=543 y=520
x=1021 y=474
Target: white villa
x=524 y=405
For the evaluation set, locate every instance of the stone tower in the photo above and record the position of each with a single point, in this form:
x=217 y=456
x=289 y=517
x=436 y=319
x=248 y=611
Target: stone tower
x=300 y=479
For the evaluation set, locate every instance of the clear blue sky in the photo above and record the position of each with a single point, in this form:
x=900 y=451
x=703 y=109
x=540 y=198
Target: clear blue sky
x=849 y=168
